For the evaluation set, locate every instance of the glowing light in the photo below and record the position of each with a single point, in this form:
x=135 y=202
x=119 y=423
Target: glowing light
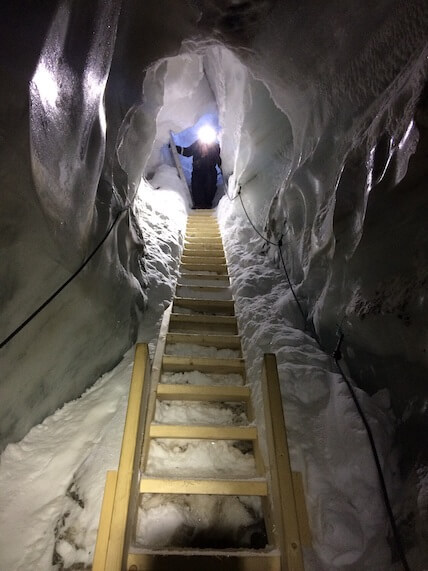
x=207 y=134
x=44 y=80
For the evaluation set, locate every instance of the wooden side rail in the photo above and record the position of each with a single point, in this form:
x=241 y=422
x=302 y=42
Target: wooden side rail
x=119 y=510
x=284 y=509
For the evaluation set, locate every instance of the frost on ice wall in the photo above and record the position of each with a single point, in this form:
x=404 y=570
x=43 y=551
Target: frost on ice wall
x=323 y=115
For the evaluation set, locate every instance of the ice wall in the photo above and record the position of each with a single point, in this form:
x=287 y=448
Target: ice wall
x=53 y=132
x=351 y=197
x=323 y=127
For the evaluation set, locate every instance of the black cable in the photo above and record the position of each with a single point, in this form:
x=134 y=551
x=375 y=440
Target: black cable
x=64 y=285
x=337 y=356
x=397 y=539
x=250 y=221
x=225 y=187
x=289 y=281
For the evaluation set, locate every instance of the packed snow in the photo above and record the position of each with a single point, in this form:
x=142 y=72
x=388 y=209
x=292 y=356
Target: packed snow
x=201 y=521
x=52 y=482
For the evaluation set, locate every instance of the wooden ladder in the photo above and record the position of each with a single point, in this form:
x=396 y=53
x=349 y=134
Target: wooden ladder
x=202 y=314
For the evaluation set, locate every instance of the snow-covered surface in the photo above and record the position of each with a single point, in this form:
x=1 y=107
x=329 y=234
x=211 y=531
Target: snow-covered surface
x=52 y=482
x=198 y=378
x=319 y=124
x=197 y=294
x=183 y=412
x=201 y=521
x=202 y=459
x=201 y=351
x=328 y=443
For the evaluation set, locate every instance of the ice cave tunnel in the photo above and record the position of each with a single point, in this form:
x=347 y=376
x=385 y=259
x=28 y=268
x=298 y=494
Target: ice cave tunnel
x=323 y=119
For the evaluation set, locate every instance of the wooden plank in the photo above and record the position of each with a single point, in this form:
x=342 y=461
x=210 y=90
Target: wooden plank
x=214 y=246
x=213 y=255
x=226 y=306
x=203 y=222
x=103 y=533
x=283 y=498
x=205 y=231
x=195 y=318
x=302 y=514
x=217 y=268
x=203 y=260
x=128 y=463
x=207 y=560
x=202 y=364
x=236 y=487
x=219 y=341
x=202 y=241
x=208 y=432
x=199 y=238
x=192 y=322
x=156 y=372
x=221 y=393
x=221 y=278
x=203 y=253
x=206 y=288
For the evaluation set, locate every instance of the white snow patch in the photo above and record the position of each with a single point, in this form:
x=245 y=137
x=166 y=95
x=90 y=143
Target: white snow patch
x=197 y=520
x=184 y=412
x=199 y=378
x=52 y=482
x=200 y=458
x=201 y=351
x=328 y=443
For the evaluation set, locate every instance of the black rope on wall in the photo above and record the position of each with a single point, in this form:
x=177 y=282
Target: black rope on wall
x=336 y=357
x=65 y=284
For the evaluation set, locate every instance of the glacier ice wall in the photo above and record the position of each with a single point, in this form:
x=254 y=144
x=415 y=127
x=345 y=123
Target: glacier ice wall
x=351 y=196
x=324 y=123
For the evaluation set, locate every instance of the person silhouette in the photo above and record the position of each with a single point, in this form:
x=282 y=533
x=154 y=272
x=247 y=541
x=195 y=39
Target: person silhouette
x=206 y=156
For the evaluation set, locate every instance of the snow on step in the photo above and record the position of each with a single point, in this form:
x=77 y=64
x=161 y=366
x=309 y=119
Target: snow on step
x=200 y=378
x=188 y=349
x=188 y=458
x=206 y=339
x=200 y=291
x=185 y=412
x=207 y=521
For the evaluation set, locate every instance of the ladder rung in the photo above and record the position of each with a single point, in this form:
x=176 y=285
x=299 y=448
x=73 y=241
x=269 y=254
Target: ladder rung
x=195 y=318
x=225 y=305
x=209 y=432
x=222 y=393
x=219 y=341
x=199 y=276
x=214 y=487
x=208 y=560
x=207 y=288
x=206 y=267
x=202 y=240
x=202 y=260
x=212 y=247
x=213 y=323
x=201 y=252
x=210 y=256
x=198 y=224
x=215 y=233
x=204 y=365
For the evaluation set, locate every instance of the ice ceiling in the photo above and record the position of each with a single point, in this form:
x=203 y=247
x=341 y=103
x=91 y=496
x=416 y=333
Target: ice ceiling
x=324 y=122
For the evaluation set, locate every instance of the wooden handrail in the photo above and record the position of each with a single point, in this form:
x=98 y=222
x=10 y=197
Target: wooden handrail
x=127 y=475
x=283 y=496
